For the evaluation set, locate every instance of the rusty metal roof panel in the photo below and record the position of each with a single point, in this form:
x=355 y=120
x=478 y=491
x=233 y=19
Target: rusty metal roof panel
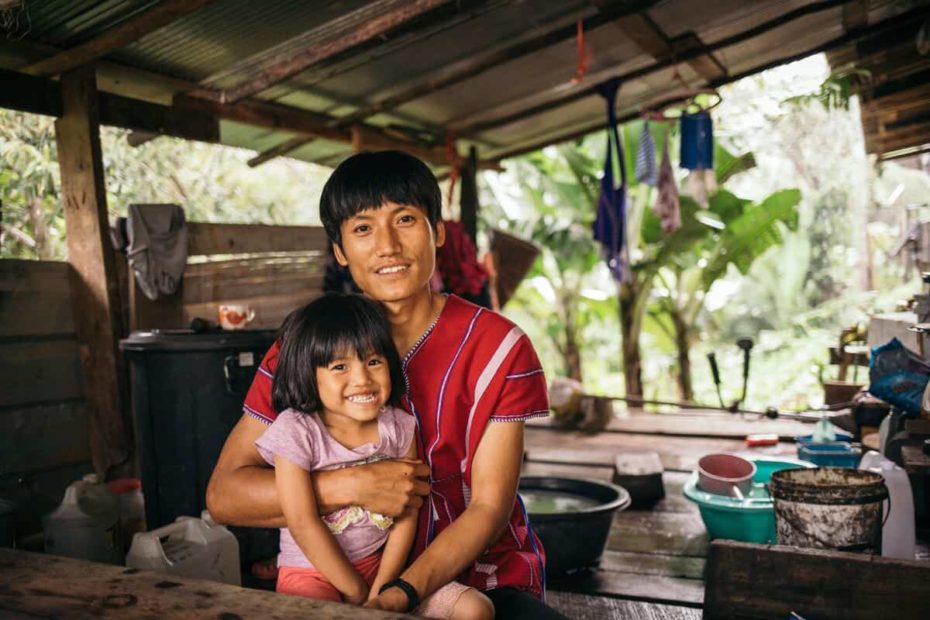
x=64 y=23
x=513 y=101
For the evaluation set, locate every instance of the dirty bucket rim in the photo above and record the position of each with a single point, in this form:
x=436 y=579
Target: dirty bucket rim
x=783 y=478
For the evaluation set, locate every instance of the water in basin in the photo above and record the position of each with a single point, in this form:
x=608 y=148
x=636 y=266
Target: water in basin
x=543 y=501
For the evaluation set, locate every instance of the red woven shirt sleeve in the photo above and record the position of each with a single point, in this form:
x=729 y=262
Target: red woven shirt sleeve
x=258 y=399
x=524 y=393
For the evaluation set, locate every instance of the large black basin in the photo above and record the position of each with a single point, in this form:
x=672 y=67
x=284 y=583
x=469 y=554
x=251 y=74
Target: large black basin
x=572 y=517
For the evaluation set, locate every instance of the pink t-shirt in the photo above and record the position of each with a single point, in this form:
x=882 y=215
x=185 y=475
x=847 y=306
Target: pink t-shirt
x=303 y=439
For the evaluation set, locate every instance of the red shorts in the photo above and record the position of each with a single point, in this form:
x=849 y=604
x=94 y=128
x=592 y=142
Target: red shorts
x=311 y=583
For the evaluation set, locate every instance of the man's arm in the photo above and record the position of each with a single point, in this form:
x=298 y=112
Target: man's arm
x=242 y=488
x=495 y=477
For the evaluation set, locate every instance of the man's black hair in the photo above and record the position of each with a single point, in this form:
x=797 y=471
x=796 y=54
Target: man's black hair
x=328 y=328
x=369 y=179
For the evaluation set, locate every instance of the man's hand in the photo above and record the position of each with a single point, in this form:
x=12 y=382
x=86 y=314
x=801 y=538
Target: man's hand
x=391 y=487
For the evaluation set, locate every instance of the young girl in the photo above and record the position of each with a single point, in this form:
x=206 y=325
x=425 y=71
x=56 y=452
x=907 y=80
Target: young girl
x=337 y=385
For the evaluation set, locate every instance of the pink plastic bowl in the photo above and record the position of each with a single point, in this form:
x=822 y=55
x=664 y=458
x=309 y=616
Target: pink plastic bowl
x=719 y=473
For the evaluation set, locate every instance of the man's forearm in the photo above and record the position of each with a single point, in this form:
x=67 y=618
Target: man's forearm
x=335 y=489
x=456 y=548
x=245 y=497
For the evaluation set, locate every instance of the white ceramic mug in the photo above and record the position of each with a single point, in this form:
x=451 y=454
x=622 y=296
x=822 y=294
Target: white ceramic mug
x=235 y=316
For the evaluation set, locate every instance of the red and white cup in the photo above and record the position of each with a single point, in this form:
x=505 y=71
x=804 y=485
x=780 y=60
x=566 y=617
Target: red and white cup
x=235 y=316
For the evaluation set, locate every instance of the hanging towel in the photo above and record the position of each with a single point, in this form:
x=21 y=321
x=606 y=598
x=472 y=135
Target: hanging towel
x=667 y=206
x=157 y=249
x=610 y=222
x=701 y=184
x=697 y=141
x=646 y=171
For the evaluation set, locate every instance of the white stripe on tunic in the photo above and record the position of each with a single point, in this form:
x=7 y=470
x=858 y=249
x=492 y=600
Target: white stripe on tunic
x=494 y=365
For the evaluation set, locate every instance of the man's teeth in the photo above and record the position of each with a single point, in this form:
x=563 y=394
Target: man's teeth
x=394 y=269
x=362 y=398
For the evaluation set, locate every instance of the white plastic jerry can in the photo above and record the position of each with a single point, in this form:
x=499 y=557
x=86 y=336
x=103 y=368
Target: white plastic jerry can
x=898 y=532
x=189 y=547
x=85 y=524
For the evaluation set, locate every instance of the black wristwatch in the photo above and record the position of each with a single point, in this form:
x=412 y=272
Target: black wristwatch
x=413 y=599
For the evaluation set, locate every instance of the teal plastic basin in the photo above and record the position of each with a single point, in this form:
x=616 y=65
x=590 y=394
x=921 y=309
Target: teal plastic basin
x=751 y=519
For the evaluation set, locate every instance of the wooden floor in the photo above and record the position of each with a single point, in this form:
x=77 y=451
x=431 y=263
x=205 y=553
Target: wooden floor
x=656 y=555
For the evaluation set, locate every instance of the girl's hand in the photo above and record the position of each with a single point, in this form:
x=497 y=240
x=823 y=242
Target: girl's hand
x=393 y=599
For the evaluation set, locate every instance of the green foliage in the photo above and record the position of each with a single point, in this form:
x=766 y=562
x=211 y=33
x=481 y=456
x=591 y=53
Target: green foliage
x=32 y=216
x=750 y=231
x=212 y=184
x=836 y=91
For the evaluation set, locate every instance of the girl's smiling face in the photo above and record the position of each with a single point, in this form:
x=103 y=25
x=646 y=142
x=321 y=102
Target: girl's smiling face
x=354 y=388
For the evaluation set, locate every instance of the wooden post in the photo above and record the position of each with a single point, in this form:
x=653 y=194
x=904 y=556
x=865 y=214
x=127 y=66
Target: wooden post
x=468 y=200
x=95 y=282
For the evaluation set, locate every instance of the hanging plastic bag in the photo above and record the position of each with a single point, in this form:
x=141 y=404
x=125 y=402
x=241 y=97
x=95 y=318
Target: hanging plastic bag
x=898 y=376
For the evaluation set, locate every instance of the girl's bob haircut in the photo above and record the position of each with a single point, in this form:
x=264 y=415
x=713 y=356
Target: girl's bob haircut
x=326 y=329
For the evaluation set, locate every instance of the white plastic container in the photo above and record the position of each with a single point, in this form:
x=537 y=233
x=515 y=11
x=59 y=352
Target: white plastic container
x=131 y=510
x=86 y=524
x=898 y=533
x=189 y=547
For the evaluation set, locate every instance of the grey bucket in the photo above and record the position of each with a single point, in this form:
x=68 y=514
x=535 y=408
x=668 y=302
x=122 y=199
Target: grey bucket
x=829 y=508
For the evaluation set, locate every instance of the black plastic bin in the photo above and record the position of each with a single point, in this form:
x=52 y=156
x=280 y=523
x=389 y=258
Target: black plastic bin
x=187 y=392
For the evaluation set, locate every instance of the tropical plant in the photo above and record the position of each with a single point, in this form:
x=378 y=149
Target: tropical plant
x=563 y=295
x=33 y=221
x=669 y=274
x=745 y=232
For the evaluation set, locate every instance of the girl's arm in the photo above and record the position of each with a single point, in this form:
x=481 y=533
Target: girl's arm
x=495 y=477
x=397 y=548
x=298 y=502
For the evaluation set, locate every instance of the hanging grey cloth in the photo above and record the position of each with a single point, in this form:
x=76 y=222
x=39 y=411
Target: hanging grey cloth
x=646 y=170
x=157 y=250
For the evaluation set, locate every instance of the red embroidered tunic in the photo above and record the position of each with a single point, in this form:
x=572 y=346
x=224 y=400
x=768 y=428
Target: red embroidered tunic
x=471 y=367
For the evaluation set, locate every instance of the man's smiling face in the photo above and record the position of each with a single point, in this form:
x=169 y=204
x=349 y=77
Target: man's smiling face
x=390 y=250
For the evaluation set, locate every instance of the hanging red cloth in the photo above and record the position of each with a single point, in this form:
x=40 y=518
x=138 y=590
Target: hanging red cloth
x=457 y=262
x=584 y=55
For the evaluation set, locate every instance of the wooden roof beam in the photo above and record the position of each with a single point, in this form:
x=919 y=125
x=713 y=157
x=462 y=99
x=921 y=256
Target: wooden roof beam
x=298 y=54
x=557 y=31
x=559 y=95
x=309 y=125
x=855 y=15
x=564 y=30
x=280 y=150
x=125 y=33
x=579 y=132
x=650 y=38
x=40 y=95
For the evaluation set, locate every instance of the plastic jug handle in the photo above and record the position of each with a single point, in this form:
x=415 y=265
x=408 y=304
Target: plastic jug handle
x=71 y=494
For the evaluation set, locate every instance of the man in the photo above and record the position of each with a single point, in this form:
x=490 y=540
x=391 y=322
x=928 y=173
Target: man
x=472 y=378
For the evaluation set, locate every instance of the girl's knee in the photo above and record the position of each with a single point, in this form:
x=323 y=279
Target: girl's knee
x=473 y=605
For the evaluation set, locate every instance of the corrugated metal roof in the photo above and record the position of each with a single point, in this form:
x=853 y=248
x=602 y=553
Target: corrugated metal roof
x=503 y=107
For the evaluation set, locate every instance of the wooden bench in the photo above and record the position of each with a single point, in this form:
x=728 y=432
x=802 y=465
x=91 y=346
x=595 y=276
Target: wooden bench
x=749 y=581
x=43 y=586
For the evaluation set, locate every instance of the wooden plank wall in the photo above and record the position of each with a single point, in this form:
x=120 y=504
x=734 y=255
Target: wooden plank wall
x=273 y=285
x=43 y=426
x=273 y=269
